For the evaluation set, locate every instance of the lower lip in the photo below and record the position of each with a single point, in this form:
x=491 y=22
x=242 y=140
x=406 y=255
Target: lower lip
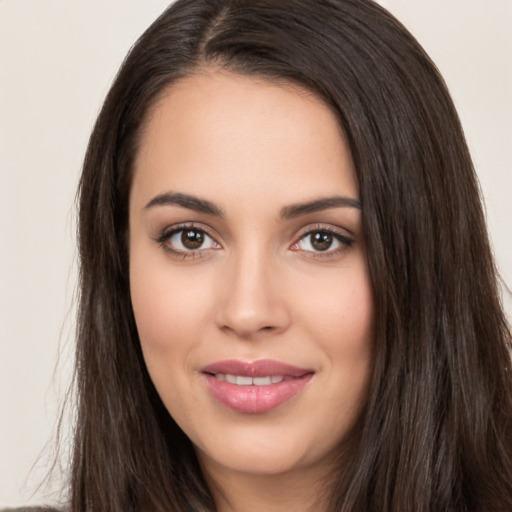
x=255 y=399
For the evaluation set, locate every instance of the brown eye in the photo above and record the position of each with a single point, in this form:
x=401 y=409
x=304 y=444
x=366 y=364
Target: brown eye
x=192 y=239
x=321 y=241
x=187 y=240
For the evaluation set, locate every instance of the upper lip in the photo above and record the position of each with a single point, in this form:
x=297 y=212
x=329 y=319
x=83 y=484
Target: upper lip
x=260 y=368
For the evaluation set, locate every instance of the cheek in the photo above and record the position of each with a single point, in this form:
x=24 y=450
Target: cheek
x=340 y=317
x=339 y=308
x=170 y=309
x=169 y=313
x=161 y=309
x=351 y=332
x=351 y=311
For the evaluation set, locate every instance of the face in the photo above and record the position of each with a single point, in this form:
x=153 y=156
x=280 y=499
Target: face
x=248 y=273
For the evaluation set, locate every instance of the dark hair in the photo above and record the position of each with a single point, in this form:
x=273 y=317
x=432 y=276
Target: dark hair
x=435 y=433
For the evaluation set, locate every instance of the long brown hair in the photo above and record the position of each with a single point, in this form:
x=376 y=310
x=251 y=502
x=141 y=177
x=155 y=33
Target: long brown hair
x=435 y=434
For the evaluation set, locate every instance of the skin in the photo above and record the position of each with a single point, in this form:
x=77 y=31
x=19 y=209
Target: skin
x=258 y=287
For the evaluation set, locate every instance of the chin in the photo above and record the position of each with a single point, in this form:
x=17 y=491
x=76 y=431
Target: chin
x=255 y=462
x=264 y=451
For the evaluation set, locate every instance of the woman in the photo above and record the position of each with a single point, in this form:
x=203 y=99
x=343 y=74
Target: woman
x=288 y=300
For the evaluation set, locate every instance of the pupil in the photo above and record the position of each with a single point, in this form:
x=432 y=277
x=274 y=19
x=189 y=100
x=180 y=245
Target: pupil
x=321 y=241
x=192 y=239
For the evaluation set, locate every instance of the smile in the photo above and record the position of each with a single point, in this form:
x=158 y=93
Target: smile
x=242 y=380
x=254 y=387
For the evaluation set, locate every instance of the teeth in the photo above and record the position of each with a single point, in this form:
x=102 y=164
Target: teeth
x=262 y=381
x=242 y=380
x=231 y=378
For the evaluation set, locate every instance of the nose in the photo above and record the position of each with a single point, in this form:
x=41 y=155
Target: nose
x=253 y=298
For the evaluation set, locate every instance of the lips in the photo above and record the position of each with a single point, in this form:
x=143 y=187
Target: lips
x=254 y=387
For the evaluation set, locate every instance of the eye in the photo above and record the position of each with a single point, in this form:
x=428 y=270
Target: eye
x=191 y=240
x=322 y=241
x=187 y=241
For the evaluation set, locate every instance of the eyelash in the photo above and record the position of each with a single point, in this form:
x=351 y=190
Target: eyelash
x=344 y=241
x=167 y=234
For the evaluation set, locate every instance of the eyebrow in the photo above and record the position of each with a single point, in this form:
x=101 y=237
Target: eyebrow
x=287 y=212
x=186 y=201
x=297 y=210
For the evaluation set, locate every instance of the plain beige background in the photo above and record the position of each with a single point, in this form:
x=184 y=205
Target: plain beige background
x=57 y=59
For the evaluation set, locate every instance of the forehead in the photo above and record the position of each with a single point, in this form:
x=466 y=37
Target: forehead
x=209 y=133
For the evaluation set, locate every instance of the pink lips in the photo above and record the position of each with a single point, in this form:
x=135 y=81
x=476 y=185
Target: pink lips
x=255 y=398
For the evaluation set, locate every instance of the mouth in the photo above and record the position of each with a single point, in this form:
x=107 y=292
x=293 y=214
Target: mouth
x=254 y=387
x=242 y=380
